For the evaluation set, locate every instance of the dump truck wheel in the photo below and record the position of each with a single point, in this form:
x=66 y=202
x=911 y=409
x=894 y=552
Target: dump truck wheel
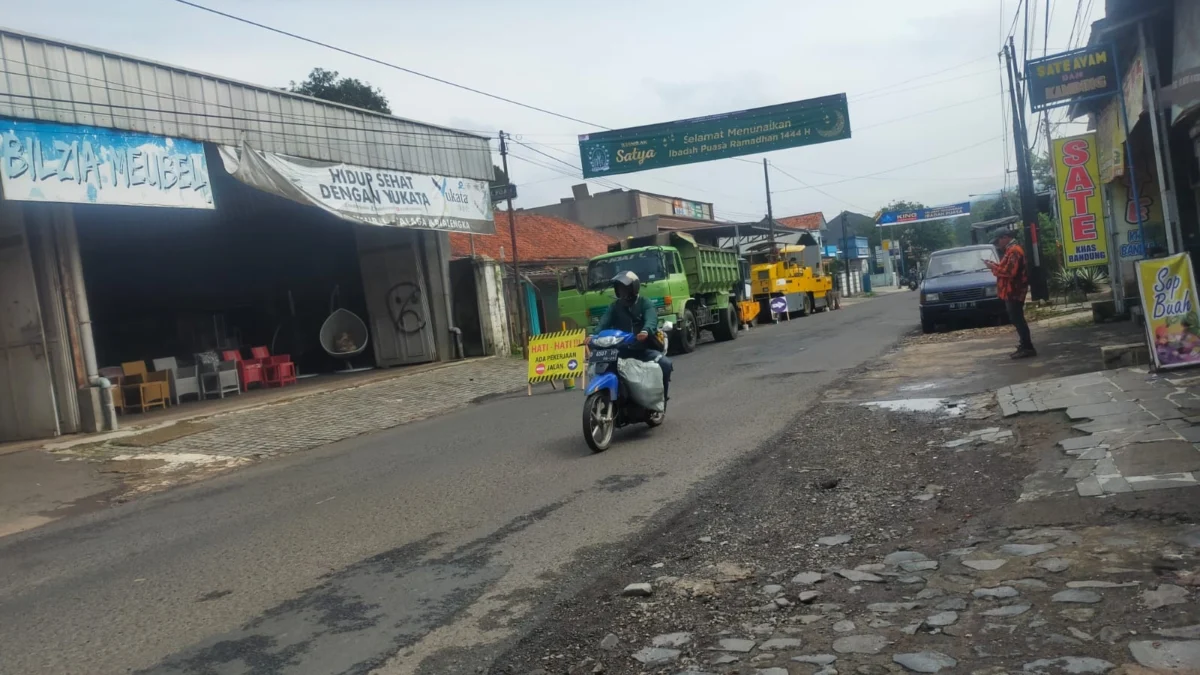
x=688 y=332
x=727 y=325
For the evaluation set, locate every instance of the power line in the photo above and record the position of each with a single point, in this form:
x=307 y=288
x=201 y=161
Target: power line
x=1013 y=28
x=813 y=187
x=927 y=112
x=1046 y=30
x=862 y=128
x=897 y=168
x=1004 y=128
x=652 y=196
x=1077 y=24
x=972 y=179
x=474 y=90
x=920 y=86
x=919 y=77
x=386 y=64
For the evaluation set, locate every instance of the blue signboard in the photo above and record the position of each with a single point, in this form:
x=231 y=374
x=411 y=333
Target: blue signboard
x=858 y=247
x=45 y=162
x=923 y=215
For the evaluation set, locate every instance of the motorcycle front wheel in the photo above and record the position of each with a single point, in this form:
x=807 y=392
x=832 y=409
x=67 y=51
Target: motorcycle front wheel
x=598 y=421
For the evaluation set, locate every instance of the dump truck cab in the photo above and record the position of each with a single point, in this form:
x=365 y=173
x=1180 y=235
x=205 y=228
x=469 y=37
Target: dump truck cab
x=691 y=285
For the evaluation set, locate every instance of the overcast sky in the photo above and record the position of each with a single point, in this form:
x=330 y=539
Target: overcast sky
x=630 y=62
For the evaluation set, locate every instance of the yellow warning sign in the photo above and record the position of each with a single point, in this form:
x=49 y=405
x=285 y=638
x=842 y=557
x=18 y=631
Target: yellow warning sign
x=556 y=356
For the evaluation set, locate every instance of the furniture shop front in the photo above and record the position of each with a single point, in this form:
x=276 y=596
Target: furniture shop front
x=156 y=264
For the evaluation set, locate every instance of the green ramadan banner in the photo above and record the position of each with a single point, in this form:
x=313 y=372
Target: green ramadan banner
x=702 y=139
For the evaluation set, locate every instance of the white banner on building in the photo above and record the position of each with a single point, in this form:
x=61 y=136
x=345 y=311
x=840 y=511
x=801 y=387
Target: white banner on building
x=46 y=162
x=370 y=196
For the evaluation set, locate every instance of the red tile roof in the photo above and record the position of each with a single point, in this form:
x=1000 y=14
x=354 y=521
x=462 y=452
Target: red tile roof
x=808 y=221
x=540 y=238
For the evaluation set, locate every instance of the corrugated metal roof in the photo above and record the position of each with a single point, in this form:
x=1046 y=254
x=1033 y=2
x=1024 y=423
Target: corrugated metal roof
x=52 y=81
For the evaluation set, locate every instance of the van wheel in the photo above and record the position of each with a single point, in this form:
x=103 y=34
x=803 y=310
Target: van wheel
x=927 y=326
x=727 y=325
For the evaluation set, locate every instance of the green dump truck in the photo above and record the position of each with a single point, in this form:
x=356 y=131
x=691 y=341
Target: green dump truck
x=692 y=285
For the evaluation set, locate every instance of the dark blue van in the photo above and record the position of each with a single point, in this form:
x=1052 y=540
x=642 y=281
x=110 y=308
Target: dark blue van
x=958 y=286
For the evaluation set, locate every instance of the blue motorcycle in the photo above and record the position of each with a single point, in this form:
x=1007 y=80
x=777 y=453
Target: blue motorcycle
x=608 y=405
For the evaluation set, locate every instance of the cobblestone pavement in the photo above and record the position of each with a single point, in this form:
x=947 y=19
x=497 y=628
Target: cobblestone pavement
x=1141 y=428
x=877 y=540
x=1041 y=600
x=336 y=415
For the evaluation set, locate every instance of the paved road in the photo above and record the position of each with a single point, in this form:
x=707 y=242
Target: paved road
x=416 y=550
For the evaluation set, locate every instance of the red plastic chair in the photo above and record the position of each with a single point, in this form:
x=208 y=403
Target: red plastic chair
x=249 y=370
x=278 y=369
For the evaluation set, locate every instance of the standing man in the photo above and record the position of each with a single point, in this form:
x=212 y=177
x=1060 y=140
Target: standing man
x=1012 y=284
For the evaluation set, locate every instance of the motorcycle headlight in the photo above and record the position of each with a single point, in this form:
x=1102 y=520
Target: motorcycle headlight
x=606 y=341
x=931 y=297
x=989 y=292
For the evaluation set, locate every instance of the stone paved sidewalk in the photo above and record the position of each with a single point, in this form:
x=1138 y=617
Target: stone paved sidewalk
x=336 y=415
x=1141 y=428
x=1041 y=600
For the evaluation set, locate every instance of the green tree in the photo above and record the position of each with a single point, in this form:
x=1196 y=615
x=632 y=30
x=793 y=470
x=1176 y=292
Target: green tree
x=987 y=209
x=501 y=177
x=1043 y=172
x=325 y=84
x=918 y=240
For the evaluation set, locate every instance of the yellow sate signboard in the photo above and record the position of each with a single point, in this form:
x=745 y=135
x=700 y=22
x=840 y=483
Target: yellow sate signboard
x=1168 y=290
x=556 y=356
x=1081 y=204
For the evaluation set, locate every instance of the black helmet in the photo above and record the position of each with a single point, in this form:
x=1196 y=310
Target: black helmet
x=626 y=285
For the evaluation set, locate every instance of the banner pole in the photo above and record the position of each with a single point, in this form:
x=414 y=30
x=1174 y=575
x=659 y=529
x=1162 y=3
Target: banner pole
x=1133 y=187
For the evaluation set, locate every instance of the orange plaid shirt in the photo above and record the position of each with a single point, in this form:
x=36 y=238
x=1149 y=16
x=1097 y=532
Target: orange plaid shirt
x=1012 y=280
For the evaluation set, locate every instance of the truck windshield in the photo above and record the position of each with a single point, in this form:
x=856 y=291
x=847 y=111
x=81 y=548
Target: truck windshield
x=646 y=264
x=959 y=262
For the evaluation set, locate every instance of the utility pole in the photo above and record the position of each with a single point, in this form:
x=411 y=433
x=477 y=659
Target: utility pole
x=846 y=256
x=518 y=290
x=1162 y=151
x=1037 y=277
x=1053 y=171
x=770 y=214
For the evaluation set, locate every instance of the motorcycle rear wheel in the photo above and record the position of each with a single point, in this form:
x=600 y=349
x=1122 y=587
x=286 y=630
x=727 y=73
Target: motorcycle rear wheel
x=596 y=431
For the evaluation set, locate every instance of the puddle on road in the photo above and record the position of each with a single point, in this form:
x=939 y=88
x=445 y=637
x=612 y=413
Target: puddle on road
x=937 y=406
x=922 y=386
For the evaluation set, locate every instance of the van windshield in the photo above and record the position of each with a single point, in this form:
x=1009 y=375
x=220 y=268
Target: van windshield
x=646 y=264
x=959 y=262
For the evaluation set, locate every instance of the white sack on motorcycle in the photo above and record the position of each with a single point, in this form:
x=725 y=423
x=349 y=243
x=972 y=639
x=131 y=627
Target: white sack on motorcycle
x=645 y=381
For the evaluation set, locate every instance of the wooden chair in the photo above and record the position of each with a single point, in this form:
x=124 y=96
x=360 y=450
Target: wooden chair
x=143 y=388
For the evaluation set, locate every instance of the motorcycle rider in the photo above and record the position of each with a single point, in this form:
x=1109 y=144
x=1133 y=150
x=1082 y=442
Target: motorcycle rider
x=634 y=314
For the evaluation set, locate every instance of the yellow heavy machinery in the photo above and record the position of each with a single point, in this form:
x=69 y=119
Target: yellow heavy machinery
x=795 y=283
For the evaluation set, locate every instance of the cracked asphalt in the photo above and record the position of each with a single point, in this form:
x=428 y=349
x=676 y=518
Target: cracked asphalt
x=428 y=548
